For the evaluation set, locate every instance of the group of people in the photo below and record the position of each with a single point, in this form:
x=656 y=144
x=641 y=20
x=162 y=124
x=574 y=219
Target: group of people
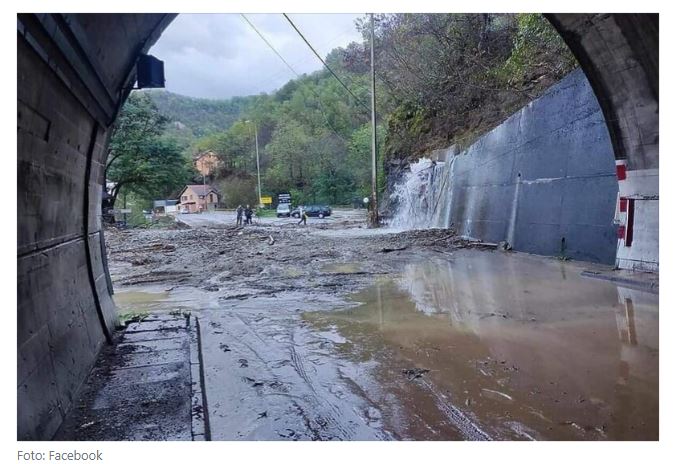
x=244 y=213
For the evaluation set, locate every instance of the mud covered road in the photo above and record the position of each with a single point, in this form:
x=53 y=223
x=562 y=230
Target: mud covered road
x=331 y=331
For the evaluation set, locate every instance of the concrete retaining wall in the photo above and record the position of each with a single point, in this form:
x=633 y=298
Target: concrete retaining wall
x=544 y=180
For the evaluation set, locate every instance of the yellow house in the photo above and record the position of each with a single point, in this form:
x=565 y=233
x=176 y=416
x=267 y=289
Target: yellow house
x=206 y=163
x=197 y=198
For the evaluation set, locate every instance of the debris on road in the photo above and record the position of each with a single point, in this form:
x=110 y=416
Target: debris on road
x=414 y=373
x=331 y=323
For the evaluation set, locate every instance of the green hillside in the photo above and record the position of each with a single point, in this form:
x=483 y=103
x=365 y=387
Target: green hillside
x=200 y=116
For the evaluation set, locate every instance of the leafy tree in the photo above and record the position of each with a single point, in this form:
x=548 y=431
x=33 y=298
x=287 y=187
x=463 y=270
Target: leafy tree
x=139 y=158
x=237 y=190
x=537 y=49
x=453 y=76
x=202 y=116
x=289 y=152
x=235 y=147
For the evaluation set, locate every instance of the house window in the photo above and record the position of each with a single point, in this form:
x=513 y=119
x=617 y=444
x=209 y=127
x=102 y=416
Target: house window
x=183 y=198
x=211 y=198
x=190 y=197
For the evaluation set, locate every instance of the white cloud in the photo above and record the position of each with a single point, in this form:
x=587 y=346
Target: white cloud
x=220 y=56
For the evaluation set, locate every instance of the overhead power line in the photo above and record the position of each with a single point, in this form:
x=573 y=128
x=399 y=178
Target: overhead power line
x=318 y=98
x=269 y=44
x=274 y=76
x=324 y=63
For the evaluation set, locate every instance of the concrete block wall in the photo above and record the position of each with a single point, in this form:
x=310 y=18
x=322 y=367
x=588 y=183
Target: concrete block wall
x=544 y=180
x=59 y=331
x=71 y=75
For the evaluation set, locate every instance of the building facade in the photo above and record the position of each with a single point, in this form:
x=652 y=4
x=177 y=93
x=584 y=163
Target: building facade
x=197 y=198
x=206 y=163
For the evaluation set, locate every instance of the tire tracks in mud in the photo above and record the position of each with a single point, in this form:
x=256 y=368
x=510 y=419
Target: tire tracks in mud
x=464 y=424
x=323 y=419
x=298 y=365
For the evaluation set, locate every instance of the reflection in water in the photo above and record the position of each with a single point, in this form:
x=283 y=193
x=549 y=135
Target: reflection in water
x=524 y=346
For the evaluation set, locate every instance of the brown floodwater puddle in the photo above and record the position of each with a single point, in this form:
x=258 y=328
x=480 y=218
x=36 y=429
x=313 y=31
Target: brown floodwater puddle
x=522 y=347
x=136 y=301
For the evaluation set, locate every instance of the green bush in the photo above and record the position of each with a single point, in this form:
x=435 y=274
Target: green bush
x=537 y=46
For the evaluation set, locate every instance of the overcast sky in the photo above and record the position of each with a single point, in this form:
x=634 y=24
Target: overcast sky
x=220 y=56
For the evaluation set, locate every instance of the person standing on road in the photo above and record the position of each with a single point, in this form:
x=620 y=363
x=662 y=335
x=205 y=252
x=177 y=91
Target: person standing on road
x=303 y=216
x=249 y=214
x=240 y=214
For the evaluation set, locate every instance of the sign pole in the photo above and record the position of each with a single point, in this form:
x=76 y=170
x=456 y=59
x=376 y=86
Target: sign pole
x=257 y=161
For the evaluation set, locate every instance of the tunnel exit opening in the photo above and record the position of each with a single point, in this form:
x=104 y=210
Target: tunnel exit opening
x=72 y=80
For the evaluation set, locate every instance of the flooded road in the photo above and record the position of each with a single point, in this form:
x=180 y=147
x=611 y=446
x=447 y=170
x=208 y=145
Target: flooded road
x=524 y=346
x=332 y=335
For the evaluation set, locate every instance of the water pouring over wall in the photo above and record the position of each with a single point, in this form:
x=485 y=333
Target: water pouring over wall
x=422 y=197
x=544 y=177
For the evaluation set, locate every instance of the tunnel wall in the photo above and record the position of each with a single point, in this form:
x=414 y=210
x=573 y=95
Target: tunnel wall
x=619 y=53
x=546 y=174
x=70 y=83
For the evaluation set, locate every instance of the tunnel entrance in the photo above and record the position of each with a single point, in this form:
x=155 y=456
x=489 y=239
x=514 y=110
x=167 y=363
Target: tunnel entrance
x=72 y=81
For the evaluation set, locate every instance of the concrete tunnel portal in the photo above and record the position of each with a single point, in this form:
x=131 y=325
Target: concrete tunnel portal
x=74 y=72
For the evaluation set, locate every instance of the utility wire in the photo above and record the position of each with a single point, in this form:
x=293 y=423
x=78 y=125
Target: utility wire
x=330 y=126
x=304 y=61
x=325 y=64
x=318 y=98
x=367 y=108
x=269 y=44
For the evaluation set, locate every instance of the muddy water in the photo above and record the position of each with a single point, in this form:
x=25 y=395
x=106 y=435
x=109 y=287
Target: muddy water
x=516 y=347
x=140 y=301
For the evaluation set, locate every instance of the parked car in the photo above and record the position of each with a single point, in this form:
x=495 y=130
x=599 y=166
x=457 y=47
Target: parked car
x=284 y=210
x=314 y=211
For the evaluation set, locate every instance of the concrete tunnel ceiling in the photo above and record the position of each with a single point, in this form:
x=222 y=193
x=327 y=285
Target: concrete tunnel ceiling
x=74 y=72
x=619 y=53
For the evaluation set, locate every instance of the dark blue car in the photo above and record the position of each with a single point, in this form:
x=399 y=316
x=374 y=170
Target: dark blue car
x=314 y=211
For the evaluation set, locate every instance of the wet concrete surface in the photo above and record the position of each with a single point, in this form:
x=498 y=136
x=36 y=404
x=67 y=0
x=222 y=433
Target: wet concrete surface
x=145 y=386
x=326 y=336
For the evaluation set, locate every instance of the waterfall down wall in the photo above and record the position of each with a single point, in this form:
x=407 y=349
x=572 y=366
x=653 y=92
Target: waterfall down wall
x=544 y=180
x=421 y=197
